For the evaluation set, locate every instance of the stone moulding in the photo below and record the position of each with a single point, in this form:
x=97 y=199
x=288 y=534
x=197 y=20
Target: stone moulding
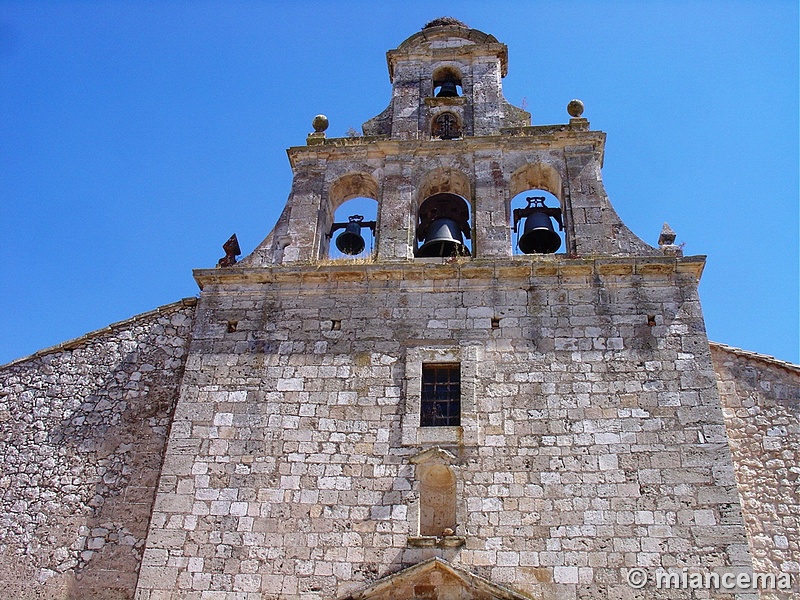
x=544 y=137
x=764 y=358
x=432 y=541
x=522 y=267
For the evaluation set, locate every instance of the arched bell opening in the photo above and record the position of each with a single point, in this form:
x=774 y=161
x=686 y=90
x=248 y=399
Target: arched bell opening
x=443 y=228
x=537 y=223
x=352 y=233
x=447 y=83
x=349 y=212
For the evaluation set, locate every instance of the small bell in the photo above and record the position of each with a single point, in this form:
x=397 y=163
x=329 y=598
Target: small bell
x=448 y=89
x=538 y=234
x=350 y=240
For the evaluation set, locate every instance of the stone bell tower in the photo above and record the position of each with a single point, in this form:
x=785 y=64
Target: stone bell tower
x=446 y=417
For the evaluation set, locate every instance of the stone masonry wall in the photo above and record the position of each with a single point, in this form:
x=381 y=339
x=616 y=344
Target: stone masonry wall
x=761 y=400
x=82 y=433
x=592 y=440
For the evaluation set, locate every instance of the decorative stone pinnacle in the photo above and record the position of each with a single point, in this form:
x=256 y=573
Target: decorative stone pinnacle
x=667 y=236
x=666 y=241
x=320 y=123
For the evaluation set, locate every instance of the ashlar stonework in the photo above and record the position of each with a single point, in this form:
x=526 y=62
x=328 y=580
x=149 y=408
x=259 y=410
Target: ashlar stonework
x=284 y=421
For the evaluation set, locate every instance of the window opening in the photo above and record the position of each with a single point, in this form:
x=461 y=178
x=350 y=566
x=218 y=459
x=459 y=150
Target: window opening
x=441 y=395
x=446 y=127
x=448 y=89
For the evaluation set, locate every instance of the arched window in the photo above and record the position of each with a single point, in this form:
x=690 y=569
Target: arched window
x=537 y=218
x=443 y=214
x=443 y=225
x=446 y=126
x=347 y=227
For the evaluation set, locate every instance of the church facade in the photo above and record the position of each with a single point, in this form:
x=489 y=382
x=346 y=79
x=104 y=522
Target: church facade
x=481 y=407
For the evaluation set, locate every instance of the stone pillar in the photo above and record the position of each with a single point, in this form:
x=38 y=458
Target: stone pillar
x=486 y=96
x=491 y=232
x=396 y=212
x=406 y=99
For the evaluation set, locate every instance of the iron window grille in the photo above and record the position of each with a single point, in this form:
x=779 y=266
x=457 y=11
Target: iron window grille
x=441 y=395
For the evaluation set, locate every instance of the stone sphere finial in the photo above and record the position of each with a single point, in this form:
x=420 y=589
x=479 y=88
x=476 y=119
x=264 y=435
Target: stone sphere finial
x=575 y=108
x=320 y=123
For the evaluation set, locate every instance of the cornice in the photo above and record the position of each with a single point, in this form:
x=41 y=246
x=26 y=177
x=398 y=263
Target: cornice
x=476 y=271
x=541 y=137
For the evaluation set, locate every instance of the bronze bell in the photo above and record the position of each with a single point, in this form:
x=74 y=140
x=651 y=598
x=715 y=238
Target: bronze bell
x=538 y=234
x=350 y=240
x=443 y=238
x=448 y=89
x=442 y=226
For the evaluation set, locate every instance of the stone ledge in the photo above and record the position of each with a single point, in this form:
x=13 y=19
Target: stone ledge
x=433 y=541
x=547 y=136
x=433 y=270
x=446 y=101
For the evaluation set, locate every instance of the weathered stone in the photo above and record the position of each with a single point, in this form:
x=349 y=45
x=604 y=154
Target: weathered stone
x=591 y=438
x=84 y=448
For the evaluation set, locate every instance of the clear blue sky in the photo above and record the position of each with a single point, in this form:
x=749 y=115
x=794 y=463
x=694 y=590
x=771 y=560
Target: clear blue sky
x=135 y=137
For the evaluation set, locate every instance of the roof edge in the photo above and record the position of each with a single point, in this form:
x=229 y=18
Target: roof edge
x=765 y=358
x=81 y=340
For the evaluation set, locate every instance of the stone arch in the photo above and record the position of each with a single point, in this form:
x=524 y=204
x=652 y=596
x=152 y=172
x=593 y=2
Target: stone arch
x=444 y=179
x=540 y=176
x=444 y=71
x=451 y=194
x=537 y=175
x=437 y=500
x=349 y=186
x=357 y=184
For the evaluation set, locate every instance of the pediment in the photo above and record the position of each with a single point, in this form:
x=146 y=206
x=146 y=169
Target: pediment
x=435 y=579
